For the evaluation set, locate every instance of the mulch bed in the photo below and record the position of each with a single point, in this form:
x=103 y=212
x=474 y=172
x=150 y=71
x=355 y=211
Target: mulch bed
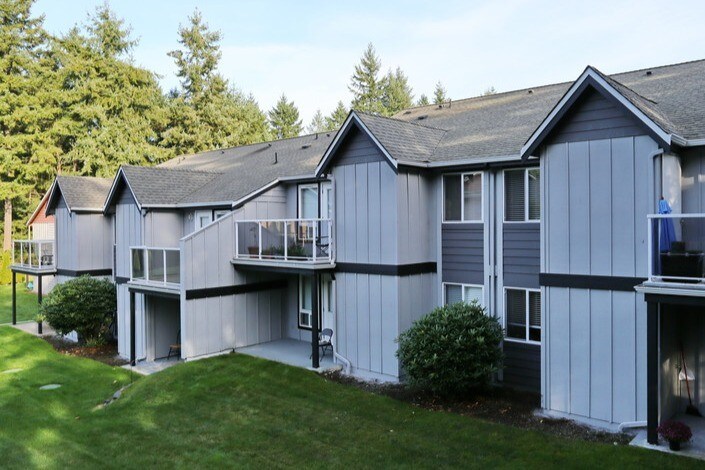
x=105 y=353
x=498 y=405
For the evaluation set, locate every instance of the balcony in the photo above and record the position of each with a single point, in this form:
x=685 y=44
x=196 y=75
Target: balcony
x=34 y=256
x=155 y=268
x=676 y=244
x=293 y=243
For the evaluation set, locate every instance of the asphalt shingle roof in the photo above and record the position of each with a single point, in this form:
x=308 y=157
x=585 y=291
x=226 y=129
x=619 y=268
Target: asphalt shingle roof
x=498 y=125
x=84 y=192
x=155 y=185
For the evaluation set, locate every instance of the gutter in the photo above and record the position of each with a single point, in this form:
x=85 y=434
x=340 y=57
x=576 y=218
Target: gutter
x=683 y=142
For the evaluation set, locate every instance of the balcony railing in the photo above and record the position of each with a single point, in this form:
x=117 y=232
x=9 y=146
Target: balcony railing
x=676 y=244
x=34 y=254
x=291 y=240
x=156 y=266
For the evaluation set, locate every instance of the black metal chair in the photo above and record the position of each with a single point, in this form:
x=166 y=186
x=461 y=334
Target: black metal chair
x=325 y=338
x=176 y=347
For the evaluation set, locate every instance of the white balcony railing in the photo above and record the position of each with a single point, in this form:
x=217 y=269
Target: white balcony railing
x=293 y=240
x=34 y=254
x=156 y=266
x=676 y=244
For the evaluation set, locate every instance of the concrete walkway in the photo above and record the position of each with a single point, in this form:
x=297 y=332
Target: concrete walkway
x=31 y=328
x=152 y=367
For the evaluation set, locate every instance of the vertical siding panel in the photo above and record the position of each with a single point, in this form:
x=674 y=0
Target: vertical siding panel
x=403 y=241
x=601 y=355
x=558 y=210
x=351 y=317
x=251 y=315
x=579 y=209
x=362 y=312
x=580 y=352
x=341 y=313
x=240 y=316
x=643 y=200
x=389 y=215
x=376 y=312
x=600 y=207
x=390 y=307
x=624 y=360
x=361 y=198
x=623 y=207
x=559 y=347
x=349 y=227
x=374 y=213
x=227 y=315
x=641 y=357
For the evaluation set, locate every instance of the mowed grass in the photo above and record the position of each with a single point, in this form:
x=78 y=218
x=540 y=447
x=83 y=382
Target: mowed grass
x=27 y=306
x=238 y=411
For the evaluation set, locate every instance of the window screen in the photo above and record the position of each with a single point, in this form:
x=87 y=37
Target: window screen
x=451 y=197
x=534 y=194
x=472 y=194
x=472 y=293
x=516 y=314
x=535 y=316
x=514 y=205
x=454 y=294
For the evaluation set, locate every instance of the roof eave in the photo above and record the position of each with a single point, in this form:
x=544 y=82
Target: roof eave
x=113 y=191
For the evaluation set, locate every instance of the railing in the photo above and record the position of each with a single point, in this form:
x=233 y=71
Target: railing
x=152 y=265
x=34 y=254
x=297 y=240
x=676 y=244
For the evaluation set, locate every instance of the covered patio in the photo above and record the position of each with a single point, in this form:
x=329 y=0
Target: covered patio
x=289 y=351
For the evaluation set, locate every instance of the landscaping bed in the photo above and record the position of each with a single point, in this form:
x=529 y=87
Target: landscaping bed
x=498 y=405
x=105 y=353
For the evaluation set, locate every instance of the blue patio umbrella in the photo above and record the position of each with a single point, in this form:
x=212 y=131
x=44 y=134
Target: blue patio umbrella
x=668 y=232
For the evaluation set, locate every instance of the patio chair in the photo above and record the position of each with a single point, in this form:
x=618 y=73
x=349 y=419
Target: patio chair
x=325 y=341
x=176 y=347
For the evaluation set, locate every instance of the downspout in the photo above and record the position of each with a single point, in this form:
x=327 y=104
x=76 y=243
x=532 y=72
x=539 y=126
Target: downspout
x=631 y=425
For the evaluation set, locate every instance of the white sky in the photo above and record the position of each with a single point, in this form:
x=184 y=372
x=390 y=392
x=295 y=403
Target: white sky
x=308 y=49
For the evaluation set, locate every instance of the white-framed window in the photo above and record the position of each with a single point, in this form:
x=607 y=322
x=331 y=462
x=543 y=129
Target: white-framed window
x=203 y=218
x=327 y=293
x=454 y=293
x=522 y=195
x=462 y=197
x=308 y=201
x=522 y=308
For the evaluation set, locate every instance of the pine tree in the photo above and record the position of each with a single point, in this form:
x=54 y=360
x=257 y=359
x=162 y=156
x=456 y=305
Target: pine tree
x=206 y=112
x=318 y=123
x=337 y=117
x=397 y=93
x=26 y=111
x=439 y=94
x=423 y=101
x=366 y=86
x=108 y=32
x=284 y=119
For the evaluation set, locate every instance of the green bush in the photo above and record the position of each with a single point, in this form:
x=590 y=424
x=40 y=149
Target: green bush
x=452 y=349
x=5 y=272
x=85 y=305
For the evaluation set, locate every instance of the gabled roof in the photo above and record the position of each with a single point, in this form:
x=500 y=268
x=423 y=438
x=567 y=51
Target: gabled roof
x=498 y=125
x=80 y=193
x=40 y=213
x=400 y=141
x=644 y=110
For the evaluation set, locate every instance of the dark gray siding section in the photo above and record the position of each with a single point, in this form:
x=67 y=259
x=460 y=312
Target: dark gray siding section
x=463 y=253
x=358 y=148
x=595 y=117
x=521 y=246
x=522 y=366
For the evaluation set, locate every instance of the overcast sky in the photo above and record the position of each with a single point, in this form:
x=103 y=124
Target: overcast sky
x=308 y=49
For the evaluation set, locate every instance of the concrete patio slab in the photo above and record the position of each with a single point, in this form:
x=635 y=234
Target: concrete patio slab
x=288 y=351
x=152 y=367
x=695 y=448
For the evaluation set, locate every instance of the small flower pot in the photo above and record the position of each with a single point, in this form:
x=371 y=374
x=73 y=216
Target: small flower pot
x=674 y=445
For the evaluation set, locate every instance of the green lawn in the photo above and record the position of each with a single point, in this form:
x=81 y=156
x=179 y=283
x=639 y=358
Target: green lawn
x=27 y=307
x=239 y=411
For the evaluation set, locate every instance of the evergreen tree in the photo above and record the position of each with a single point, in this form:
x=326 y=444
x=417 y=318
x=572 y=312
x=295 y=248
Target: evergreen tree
x=337 y=117
x=318 y=123
x=206 y=112
x=423 y=101
x=284 y=119
x=26 y=111
x=397 y=92
x=108 y=33
x=439 y=94
x=366 y=86
x=489 y=91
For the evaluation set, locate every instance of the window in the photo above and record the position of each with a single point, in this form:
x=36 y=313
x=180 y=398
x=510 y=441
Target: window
x=462 y=197
x=217 y=214
x=522 y=195
x=203 y=218
x=523 y=314
x=308 y=201
x=327 y=293
x=455 y=293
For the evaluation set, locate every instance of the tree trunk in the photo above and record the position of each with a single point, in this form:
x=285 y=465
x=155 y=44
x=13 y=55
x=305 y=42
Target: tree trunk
x=7 y=226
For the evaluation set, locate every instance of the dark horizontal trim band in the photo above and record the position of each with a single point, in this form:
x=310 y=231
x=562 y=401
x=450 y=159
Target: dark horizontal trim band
x=387 y=269
x=192 y=294
x=121 y=280
x=90 y=272
x=583 y=281
x=675 y=299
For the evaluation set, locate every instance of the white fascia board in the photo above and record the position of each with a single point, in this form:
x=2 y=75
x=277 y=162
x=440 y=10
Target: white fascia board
x=113 y=188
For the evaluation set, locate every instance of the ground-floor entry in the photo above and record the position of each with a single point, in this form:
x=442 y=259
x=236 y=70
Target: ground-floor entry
x=163 y=327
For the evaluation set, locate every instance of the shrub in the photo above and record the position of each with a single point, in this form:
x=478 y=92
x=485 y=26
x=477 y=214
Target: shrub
x=85 y=305
x=5 y=272
x=452 y=349
x=675 y=431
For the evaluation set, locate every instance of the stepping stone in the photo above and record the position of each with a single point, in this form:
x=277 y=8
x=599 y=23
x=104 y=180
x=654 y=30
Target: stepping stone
x=49 y=387
x=11 y=371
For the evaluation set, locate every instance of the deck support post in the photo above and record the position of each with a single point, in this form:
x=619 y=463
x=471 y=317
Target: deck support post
x=315 y=361
x=133 y=329
x=39 y=300
x=14 y=298
x=652 y=371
